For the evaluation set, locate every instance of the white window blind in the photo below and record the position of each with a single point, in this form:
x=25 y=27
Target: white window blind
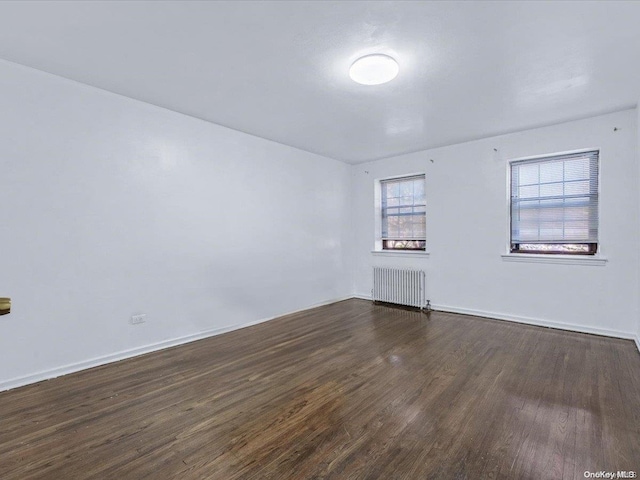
x=403 y=208
x=554 y=200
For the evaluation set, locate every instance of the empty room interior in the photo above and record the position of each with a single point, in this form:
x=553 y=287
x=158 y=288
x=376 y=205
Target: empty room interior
x=319 y=240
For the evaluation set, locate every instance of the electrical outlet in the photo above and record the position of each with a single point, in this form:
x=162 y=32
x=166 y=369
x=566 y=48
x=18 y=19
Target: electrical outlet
x=136 y=319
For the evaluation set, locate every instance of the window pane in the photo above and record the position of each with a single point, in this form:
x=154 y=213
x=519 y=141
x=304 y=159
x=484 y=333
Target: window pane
x=577 y=188
x=551 y=172
x=403 y=244
x=555 y=201
x=403 y=209
x=574 y=230
x=406 y=200
x=551 y=190
x=576 y=169
x=566 y=248
x=406 y=189
x=529 y=191
x=418 y=188
x=528 y=175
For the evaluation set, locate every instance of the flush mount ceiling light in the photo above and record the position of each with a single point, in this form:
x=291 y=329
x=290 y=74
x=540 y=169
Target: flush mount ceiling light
x=374 y=69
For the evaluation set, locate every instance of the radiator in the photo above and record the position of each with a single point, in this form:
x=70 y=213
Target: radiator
x=401 y=286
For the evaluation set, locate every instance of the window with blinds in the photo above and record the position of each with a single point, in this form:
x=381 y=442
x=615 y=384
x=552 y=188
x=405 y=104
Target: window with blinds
x=554 y=204
x=403 y=213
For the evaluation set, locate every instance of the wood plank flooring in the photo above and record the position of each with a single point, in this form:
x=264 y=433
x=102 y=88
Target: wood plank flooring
x=350 y=390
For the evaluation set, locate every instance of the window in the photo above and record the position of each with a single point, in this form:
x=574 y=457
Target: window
x=554 y=204
x=403 y=213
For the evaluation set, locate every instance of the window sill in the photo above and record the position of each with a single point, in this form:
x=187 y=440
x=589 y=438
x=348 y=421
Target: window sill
x=557 y=259
x=399 y=253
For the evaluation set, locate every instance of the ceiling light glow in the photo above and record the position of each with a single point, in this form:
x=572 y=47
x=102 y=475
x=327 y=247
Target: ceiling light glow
x=374 y=69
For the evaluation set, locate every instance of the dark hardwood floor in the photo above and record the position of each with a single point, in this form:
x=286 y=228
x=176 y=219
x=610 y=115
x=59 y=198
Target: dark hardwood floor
x=349 y=390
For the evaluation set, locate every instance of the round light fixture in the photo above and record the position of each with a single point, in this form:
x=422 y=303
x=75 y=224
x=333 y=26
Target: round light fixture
x=374 y=69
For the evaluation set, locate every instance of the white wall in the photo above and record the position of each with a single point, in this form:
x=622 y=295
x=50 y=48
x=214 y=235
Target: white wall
x=638 y=244
x=112 y=207
x=467 y=229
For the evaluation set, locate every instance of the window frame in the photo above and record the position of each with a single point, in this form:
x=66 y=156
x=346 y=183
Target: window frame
x=380 y=246
x=594 y=250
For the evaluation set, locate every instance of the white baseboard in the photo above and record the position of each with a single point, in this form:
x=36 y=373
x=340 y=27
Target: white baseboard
x=531 y=321
x=362 y=296
x=134 y=352
x=537 y=322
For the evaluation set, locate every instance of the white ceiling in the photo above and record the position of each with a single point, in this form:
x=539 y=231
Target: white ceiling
x=279 y=70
